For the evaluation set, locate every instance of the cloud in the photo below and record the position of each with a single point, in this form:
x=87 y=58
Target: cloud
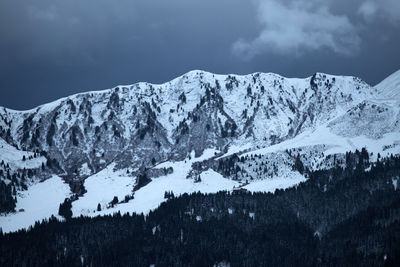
x=295 y=27
x=368 y=9
x=387 y=10
x=46 y=14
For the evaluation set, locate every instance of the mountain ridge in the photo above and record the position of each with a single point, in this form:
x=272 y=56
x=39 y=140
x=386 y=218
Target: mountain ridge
x=285 y=95
x=176 y=78
x=143 y=89
x=259 y=132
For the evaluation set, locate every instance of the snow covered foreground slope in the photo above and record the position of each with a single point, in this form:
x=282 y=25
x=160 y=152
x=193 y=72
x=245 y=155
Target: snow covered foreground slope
x=199 y=132
x=39 y=202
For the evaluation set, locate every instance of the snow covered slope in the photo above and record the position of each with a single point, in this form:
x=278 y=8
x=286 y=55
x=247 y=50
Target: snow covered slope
x=390 y=87
x=18 y=159
x=152 y=195
x=199 y=132
x=39 y=202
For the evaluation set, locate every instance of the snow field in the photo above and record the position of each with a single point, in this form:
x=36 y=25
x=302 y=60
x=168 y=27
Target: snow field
x=13 y=157
x=39 y=202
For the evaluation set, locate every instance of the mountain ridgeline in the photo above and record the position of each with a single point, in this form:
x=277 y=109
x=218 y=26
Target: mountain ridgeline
x=143 y=124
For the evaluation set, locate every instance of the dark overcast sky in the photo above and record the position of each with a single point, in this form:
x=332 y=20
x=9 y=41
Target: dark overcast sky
x=54 y=48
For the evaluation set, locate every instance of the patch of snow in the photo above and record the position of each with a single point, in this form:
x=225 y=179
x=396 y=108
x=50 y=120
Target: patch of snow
x=13 y=157
x=84 y=169
x=39 y=202
x=101 y=188
x=335 y=143
x=395 y=183
x=104 y=185
x=280 y=182
x=151 y=196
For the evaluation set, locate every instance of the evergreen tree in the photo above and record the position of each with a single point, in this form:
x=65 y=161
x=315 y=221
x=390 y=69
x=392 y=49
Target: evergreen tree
x=65 y=209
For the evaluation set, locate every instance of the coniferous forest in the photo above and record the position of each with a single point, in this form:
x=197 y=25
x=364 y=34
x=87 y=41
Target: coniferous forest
x=338 y=217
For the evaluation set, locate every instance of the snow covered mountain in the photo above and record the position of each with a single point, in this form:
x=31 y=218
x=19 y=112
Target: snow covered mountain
x=199 y=132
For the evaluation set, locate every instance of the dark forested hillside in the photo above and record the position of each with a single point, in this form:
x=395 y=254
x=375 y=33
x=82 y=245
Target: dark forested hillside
x=340 y=216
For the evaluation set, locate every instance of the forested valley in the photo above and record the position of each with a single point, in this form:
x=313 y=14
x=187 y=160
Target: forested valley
x=339 y=216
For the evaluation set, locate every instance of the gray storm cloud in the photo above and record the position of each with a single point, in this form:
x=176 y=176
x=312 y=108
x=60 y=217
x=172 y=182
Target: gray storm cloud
x=297 y=27
x=53 y=48
x=381 y=9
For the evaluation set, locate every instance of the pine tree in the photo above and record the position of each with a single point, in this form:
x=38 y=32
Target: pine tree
x=114 y=201
x=65 y=209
